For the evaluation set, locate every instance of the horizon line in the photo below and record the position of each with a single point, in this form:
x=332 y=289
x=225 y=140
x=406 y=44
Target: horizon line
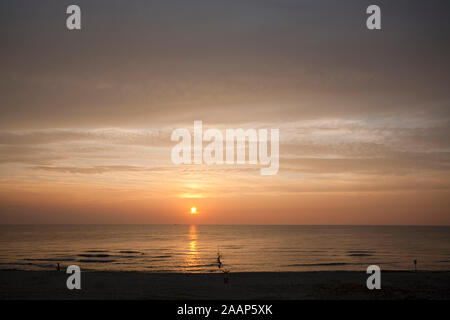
x=212 y=224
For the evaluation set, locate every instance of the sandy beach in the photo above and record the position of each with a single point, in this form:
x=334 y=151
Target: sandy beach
x=15 y=284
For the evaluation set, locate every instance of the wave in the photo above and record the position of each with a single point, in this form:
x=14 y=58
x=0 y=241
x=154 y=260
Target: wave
x=28 y=264
x=197 y=266
x=320 y=264
x=94 y=255
x=360 y=253
x=51 y=259
x=131 y=252
x=95 y=261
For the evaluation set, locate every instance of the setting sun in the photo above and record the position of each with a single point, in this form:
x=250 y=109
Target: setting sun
x=193 y=210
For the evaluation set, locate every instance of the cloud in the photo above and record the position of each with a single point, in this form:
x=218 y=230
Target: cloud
x=30 y=155
x=254 y=61
x=145 y=137
x=395 y=163
x=379 y=145
x=98 y=169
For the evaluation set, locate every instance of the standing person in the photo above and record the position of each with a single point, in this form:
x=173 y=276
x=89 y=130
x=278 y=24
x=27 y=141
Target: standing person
x=219 y=263
x=415 y=265
x=58 y=267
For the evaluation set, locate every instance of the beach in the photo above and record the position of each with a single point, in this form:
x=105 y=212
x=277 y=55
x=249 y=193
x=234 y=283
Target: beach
x=321 y=285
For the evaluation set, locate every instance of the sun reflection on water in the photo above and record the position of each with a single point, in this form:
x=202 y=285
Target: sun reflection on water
x=192 y=254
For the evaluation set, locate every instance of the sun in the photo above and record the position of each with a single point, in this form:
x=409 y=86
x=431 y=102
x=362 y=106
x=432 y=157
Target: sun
x=193 y=210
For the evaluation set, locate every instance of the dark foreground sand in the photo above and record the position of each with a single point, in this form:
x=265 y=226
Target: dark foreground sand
x=259 y=285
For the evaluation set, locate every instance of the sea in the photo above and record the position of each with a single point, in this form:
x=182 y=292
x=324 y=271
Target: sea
x=224 y=248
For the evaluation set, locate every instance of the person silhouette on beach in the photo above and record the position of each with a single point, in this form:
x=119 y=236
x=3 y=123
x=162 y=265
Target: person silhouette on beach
x=58 y=267
x=219 y=263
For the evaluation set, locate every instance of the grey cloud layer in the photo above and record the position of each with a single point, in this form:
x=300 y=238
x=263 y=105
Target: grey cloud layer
x=165 y=62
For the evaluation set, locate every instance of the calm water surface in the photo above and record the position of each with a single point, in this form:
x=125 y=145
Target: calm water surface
x=184 y=248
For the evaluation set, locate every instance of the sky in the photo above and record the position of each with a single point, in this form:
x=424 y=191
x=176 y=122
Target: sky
x=87 y=116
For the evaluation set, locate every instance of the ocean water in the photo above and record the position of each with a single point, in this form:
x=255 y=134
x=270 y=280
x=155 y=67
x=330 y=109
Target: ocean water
x=184 y=248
